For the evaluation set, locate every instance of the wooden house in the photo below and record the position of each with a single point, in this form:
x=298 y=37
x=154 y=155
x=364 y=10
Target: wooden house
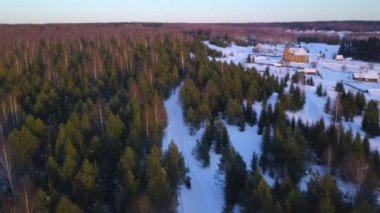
x=370 y=76
x=298 y=55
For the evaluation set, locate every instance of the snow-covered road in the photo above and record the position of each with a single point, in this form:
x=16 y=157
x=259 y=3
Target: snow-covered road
x=206 y=193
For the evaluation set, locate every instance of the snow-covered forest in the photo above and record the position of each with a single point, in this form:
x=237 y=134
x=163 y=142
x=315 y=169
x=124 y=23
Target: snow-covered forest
x=136 y=118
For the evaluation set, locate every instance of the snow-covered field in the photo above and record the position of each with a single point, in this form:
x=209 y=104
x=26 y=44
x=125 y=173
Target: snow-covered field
x=206 y=193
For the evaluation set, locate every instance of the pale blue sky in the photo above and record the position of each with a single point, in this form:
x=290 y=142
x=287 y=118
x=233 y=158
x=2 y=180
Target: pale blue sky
x=53 y=11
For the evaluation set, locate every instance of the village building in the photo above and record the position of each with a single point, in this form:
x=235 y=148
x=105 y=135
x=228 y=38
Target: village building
x=370 y=76
x=339 y=58
x=298 y=55
x=308 y=71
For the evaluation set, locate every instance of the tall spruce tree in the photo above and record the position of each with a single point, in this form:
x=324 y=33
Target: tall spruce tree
x=370 y=121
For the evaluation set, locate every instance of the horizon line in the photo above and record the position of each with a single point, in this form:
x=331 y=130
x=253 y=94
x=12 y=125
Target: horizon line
x=169 y=22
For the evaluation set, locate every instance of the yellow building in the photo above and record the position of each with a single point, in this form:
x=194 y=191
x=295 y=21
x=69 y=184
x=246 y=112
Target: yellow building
x=299 y=55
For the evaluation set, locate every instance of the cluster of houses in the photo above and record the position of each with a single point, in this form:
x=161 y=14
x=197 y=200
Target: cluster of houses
x=300 y=55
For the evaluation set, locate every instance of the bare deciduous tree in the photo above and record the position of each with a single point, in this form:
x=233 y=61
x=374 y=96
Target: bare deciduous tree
x=7 y=166
x=328 y=156
x=358 y=167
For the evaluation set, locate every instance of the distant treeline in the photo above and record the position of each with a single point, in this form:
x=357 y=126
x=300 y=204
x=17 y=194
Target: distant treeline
x=355 y=26
x=333 y=39
x=367 y=50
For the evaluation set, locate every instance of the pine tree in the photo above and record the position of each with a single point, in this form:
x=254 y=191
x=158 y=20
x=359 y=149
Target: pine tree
x=249 y=59
x=254 y=163
x=114 y=128
x=222 y=139
x=202 y=152
x=158 y=188
x=366 y=146
x=349 y=108
x=241 y=125
x=310 y=81
x=126 y=168
x=339 y=87
x=234 y=168
x=265 y=147
x=279 y=115
x=262 y=121
x=326 y=206
x=35 y=125
x=298 y=99
x=360 y=103
x=66 y=206
x=370 y=121
x=174 y=165
x=24 y=143
x=362 y=205
x=323 y=194
x=192 y=119
x=319 y=90
x=264 y=200
x=327 y=107
x=234 y=113
x=250 y=115
x=86 y=182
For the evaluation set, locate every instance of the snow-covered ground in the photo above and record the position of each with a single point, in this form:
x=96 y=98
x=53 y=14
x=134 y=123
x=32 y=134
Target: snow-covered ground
x=331 y=71
x=206 y=193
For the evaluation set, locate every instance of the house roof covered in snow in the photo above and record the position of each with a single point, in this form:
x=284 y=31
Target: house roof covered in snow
x=308 y=70
x=298 y=51
x=366 y=75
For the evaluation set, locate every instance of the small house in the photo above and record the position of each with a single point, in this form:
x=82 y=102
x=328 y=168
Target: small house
x=369 y=76
x=339 y=58
x=308 y=71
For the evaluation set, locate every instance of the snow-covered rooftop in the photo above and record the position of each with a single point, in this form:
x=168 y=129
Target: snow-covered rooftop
x=298 y=51
x=366 y=75
x=308 y=70
x=339 y=57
